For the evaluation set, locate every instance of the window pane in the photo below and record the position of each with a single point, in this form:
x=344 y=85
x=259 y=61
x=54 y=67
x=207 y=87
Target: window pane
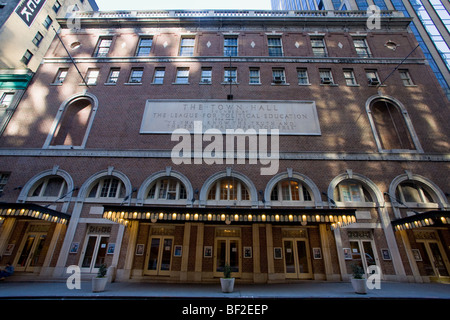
x=275 y=49
x=53 y=187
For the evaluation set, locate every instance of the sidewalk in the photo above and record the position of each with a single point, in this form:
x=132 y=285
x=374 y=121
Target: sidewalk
x=301 y=290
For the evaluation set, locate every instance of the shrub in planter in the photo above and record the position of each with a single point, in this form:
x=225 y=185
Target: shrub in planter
x=227 y=282
x=99 y=282
x=358 y=281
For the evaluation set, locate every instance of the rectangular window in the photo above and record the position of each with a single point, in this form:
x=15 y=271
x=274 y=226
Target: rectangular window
x=230 y=46
x=278 y=76
x=362 y=5
x=61 y=76
x=206 y=75
x=47 y=22
x=362 y=49
x=38 y=39
x=302 y=75
x=230 y=75
x=158 y=77
x=255 y=77
x=92 y=76
x=56 y=6
x=27 y=57
x=275 y=47
x=406 y=78
x=136 y=75
x=144 y=47
x=349 y=76
x=318 y=47
x=325 y=76
x=6 y=99
x=372 y=77
x=104 y=43
x=113 y=75
x=3 y=180
x=187 y=47
x=182 y=76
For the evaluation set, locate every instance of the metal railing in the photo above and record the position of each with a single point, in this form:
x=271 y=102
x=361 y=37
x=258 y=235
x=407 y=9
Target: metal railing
x=227 y=13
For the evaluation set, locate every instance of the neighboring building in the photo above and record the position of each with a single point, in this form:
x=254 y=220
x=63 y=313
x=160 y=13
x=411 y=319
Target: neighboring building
x=430 y=25
x=90 y=175
x=26 y=32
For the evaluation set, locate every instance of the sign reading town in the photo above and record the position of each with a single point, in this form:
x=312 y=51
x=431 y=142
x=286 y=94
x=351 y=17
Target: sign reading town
x=29 y=9
x=290 y=118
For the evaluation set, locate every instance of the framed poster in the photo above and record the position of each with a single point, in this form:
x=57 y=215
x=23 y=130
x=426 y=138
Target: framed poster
x=247 y=252
x=277 y=253
x=111 y=248
x=207 y=252
x=74 y=247
x=140 y=249
x=386 y=254
x=416 y=254
x=347 y=253
x=317 y=253
x=9 y=249
x=177 y=251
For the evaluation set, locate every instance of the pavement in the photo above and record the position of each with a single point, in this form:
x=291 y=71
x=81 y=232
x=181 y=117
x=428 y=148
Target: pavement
x=148 y=290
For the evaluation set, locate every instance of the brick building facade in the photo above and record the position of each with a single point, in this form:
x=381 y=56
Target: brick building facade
x=88 y=178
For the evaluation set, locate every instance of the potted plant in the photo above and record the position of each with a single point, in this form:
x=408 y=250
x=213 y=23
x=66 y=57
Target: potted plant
x=227 y=282
x=99 y=282
x=358 y=281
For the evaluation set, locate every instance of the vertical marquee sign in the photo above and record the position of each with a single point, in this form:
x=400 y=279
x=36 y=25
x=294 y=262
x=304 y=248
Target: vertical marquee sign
x=29 y=9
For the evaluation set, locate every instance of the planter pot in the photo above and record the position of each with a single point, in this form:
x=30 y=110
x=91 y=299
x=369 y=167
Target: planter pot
x=227 y=284
x=359 y=285
x=99 y=284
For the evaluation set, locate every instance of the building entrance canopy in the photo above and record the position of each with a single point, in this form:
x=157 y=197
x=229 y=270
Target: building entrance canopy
x=425 y=219
x=34 y=211
x=125 y=215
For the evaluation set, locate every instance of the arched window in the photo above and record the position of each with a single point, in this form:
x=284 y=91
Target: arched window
x=228 y=189
x=290 y=190
x=351 y=191
x=391 y=128
x=49 y=187
x=391 y=125
x=72 y=127
x=73 y=122
x=107 y=187
x=412 y=191
x=167 y=189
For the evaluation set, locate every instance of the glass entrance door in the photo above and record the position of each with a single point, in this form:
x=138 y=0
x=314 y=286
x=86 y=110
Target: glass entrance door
x=94 y=253
x=363 y=253
x=227 y=252
x=31 y=252
x=434 y=259
x=297 y=259
x=159 y=256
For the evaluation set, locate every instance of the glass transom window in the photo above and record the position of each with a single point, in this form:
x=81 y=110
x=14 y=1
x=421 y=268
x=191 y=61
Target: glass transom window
x=167 y=189
x=351 y=191
x=228 y=189
x=290 y=190
x=411 y=191
x=53 y=186
x=107 y=188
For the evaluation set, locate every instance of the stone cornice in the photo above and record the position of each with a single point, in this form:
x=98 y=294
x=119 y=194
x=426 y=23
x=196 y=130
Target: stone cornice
x=325 y=156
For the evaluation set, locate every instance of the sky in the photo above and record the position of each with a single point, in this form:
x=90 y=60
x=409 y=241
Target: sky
x=106 y=5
